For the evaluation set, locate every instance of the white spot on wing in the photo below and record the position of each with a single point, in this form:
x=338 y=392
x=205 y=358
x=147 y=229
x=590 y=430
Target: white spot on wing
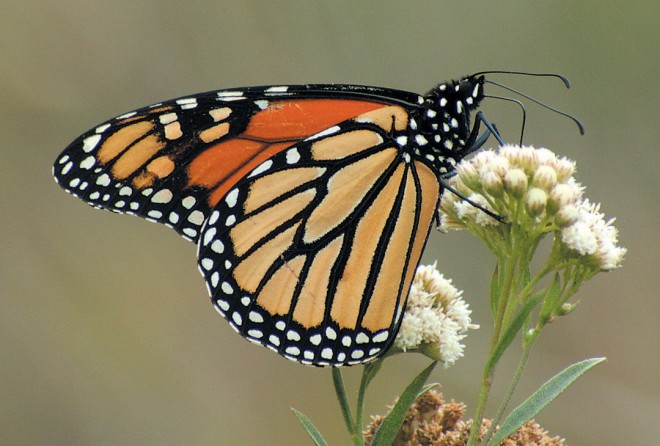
x=190 y=232
x=231 y=197
x=90 y=142
x=162 y=196
x=167 y=118
x=277 y=89
x=292 y=156
x=127 y=115
x=262 y=104
x=263 y=167
x=196 y=218
x=208 y=236
x=103 y=180
x=381 y=337
x=329 y=131
x=126 y=191
x=218 y=247
x=293 y=350
x=88 y=163
x=357 y=354
x=188 y=202
x=330 y=333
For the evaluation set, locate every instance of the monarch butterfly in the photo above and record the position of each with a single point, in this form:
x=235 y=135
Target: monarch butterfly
x=310 y=204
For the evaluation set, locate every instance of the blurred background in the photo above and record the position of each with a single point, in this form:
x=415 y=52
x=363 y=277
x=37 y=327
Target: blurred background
x=107 y=335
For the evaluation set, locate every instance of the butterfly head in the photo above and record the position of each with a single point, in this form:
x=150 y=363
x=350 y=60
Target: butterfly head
x=445 y=119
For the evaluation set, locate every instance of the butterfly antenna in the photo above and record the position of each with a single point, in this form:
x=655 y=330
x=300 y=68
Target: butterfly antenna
x=564 y=79
x=522 y=108
x=536 y=101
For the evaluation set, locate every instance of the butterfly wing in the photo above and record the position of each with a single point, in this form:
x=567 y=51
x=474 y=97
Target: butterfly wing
x=310 y=218
x=312 y=254
x=172 y=162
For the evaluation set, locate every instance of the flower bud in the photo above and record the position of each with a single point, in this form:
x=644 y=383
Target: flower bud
x=564 y=168
x=527 y=159
x=469 y=175
x=499 y=165
x=515 y=182
x=566 y=216
x=560 y=196
x=545 y=177
x=545 y=156
x=535 y=201
x=492 y=183
x=566 y=308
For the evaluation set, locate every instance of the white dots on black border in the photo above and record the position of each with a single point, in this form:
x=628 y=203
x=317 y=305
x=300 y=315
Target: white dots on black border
x=88 y=163
x=163 y=196
x=126 y=115
x=231 y=198
x=188 y=202
x=196 y=217
x=255 y=317
x=90 y=143
x=292 y=156
x=261 y=168
x=381 y=336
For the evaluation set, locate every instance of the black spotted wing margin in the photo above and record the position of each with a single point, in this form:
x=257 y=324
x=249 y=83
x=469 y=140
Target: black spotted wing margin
x=313 y=253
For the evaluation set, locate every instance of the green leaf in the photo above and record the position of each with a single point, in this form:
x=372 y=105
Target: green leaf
x=313 y=432
x=388 y=430
x=511 y=331
x=541 y=398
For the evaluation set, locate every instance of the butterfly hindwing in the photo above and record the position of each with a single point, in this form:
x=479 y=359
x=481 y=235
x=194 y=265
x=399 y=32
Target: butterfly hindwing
x=312 y=254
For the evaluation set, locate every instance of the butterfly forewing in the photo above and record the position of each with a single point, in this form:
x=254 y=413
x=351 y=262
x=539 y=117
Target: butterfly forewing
x=312 y=254
x=172 y=162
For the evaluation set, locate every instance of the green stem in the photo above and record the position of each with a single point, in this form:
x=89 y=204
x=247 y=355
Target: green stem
x=481 y=406
x=514 y=383
x=509 y=268
x=340 y=390
x=507 y=263
x=369 y=372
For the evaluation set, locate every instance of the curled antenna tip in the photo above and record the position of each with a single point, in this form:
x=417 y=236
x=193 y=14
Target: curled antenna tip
x=565 y=80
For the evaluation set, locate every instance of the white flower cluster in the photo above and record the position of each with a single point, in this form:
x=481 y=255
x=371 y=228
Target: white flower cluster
x=535 y=189
x=592 y=236
x=436 y=318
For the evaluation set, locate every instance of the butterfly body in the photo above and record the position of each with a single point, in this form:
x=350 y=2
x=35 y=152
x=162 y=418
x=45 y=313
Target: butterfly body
x=310 y=205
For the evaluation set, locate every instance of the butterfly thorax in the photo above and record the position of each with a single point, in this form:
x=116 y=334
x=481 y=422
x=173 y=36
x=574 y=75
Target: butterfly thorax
x=441 y=130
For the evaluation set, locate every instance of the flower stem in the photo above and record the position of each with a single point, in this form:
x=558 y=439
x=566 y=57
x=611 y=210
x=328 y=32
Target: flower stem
x=481 y=406
x=527 y=348
x=340 y=390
